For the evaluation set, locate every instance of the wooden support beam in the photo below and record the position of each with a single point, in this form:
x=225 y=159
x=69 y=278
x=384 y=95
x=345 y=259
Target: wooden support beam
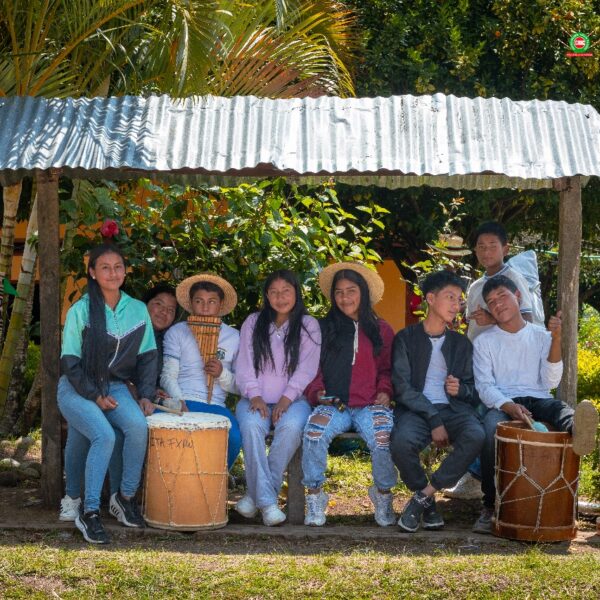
x=569 y=258
x=49 y=257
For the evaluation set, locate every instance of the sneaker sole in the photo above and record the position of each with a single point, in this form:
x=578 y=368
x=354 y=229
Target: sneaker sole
x=585 y=424
x=434 y=526
x=67 y=519
x=314 y=523
x=405 y=528
x=83 y=530
x=116 y=511
x=247 y=515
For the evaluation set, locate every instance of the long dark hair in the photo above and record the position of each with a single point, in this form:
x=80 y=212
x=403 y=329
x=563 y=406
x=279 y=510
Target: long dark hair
x=335 y=318
x=261 y=343
x=95 y=351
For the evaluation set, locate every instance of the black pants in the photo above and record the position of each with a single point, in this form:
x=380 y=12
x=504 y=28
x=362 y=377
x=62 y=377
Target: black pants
x=554 y=412
x=412 y=434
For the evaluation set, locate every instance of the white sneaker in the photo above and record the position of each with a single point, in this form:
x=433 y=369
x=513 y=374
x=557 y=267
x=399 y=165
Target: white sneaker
x=585 y=425
x=467 y=488
x=384 y=510
x=246 y=507
x=315 y=509
x=272 y=515
x=69 y=508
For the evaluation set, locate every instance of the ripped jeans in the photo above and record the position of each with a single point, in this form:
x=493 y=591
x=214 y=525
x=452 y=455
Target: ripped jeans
x=373 y=424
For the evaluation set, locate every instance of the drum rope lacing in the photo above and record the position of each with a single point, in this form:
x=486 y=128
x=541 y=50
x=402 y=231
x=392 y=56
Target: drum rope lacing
x=522 y=472
x=170 y=490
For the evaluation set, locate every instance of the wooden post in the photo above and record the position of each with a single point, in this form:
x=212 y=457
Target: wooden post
x=295 y=503
x=49 y=257
x=569 y=255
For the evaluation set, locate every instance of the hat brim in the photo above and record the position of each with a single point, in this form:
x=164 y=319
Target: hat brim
x=372 y=278
x=229 y=294
x=450 y=251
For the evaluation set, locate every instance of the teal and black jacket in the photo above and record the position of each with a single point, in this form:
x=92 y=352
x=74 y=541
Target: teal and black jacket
x=132 y=348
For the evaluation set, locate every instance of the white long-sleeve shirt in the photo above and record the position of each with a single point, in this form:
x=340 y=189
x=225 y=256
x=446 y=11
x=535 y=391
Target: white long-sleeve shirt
x=513 y=365
x=183 y=376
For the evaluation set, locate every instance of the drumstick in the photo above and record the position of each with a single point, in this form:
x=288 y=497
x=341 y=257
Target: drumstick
x=173 y=411
x=528 y=421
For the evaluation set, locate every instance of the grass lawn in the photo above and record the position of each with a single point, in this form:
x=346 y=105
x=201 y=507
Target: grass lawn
x=37 y=566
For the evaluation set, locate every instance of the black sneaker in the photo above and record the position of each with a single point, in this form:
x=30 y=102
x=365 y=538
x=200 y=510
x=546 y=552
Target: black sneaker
x=91 y=526
x=410 y=518
x=432 y=518
x=485 y=522
x=125 y=511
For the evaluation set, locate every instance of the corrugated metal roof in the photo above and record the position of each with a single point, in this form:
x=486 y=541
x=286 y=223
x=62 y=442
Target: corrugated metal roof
x=399 y=141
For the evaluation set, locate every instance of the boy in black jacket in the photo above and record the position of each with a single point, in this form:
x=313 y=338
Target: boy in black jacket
x=432 y=373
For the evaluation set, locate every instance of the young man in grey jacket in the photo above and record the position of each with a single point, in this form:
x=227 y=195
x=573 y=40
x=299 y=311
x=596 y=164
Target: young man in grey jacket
x=435 y=396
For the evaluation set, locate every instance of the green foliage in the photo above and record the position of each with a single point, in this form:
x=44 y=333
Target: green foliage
x=31 y=365
x=242 y=233
x=478 y=48
x=589 y=331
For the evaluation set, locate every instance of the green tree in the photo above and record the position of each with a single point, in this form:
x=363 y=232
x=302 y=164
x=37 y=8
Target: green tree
x=242 y=233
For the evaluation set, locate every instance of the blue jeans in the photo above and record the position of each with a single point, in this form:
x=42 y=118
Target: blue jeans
x=373 y=423
x=264 y=475
x=98 y=426
x=234 y=443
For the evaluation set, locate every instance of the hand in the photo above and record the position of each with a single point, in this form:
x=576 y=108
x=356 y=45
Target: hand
x=174 y=403
x=482 y=317
x=382 y=399
x=161 y=394
x=326 y=401
x=439 y=436
x=106 y=402
x=555 y=325
x=452 y=385
x=146 y=406
x=213 y=367
x=258 y=404
x=516 y=411
x=280 y=409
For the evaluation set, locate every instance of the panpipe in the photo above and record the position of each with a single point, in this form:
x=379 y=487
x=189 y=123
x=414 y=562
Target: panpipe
x=206 y=331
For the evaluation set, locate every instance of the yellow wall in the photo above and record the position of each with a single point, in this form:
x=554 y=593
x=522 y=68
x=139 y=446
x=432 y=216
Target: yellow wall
x=392 y=306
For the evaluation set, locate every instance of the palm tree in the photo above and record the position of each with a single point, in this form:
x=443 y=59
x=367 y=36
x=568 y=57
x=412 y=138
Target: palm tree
x=60 y=48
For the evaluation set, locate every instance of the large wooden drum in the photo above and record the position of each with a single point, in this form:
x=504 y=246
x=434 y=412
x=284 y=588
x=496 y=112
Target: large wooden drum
x=185 y=486
x=536 y=481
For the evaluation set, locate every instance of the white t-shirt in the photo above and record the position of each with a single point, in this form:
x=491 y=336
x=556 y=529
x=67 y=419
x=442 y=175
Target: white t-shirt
x=475 y=298
x=435 y=379
x=512 y=365
x=183 y=376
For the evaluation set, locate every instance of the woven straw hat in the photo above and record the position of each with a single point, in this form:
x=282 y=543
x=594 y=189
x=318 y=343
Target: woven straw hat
x=183 y=292
x=374 y=281
x=450 y=245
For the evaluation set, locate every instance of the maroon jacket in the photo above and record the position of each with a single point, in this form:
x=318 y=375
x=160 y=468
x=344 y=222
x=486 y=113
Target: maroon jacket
x=356 y=385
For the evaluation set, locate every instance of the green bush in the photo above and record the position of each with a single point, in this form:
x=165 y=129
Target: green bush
x=31 y=365
x=588 y=380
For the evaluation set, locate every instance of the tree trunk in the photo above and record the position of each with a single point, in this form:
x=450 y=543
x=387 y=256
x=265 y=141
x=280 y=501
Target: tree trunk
x=31 y=408
x=15 y=390
x=11 y=195
x=15 y=327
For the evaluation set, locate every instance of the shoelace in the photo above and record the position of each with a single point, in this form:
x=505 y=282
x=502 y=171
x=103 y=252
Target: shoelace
x=95 y=523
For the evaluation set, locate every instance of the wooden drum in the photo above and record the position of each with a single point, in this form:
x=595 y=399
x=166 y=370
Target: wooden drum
x=185 y=486
x=536 y=481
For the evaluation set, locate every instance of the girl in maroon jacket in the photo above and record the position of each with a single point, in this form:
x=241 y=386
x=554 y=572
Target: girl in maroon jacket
x=353 y=387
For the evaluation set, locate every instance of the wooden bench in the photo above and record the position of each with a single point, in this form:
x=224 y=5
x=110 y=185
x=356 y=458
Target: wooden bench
x=296 y=493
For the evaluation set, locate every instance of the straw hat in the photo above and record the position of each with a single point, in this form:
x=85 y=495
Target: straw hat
x=450 y=245
x=374 y=281
x=229 y=295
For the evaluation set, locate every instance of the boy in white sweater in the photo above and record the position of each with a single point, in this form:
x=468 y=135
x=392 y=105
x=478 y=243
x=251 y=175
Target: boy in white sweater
x=516 y=364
